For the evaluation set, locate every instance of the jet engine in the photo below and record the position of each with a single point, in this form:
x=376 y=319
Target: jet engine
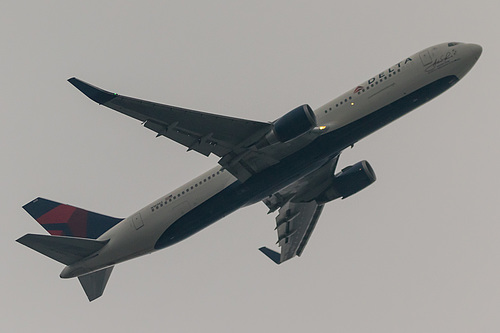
x=290 y=126
x=349 y=181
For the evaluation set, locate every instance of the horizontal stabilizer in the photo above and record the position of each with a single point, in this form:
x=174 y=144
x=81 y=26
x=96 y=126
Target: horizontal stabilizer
x=273 y=255
x=66 y=250
x=94 y=283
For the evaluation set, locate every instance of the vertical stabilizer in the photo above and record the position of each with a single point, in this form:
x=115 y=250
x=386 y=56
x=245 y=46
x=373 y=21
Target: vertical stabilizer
x=94 y=283
x=65 y=220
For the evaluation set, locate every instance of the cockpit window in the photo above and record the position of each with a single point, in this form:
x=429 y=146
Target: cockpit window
x=452 y=44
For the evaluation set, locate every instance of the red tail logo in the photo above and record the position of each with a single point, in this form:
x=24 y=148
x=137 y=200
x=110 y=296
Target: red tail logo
x=65 y=220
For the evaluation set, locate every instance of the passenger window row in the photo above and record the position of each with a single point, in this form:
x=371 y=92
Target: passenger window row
x=190 y=188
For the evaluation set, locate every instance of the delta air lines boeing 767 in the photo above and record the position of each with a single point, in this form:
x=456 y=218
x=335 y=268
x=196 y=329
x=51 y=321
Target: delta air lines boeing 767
x=288 y=164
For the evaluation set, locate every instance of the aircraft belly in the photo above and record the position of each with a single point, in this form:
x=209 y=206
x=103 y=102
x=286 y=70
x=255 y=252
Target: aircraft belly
x=296 y=165
x=167 y=224
x=210 y=203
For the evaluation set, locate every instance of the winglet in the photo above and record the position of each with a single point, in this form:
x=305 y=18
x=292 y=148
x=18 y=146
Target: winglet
x=273 y=255
x=96 y=94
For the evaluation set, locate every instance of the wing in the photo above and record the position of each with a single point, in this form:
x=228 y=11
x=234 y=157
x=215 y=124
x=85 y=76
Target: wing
x=298 y=212
x=295 y=224
x=203 y=132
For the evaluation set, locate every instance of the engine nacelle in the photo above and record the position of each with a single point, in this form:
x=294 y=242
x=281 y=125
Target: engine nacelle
x=294 y=123
x=349 y=181
x=290 y=126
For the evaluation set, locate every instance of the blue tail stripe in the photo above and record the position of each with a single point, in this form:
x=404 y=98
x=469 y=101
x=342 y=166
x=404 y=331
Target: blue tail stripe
x=65 y=220
x=40 y=206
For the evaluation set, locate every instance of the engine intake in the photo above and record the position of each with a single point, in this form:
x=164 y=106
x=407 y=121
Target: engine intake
x=290 y=126
x=349 y=181
x=294 y=123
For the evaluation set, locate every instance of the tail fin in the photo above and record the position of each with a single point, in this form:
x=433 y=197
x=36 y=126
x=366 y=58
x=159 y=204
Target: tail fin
x=65 y=220
x=94 y=283
x=66 y=250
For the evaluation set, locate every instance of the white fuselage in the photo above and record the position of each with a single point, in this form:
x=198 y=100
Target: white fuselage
x=406 y=82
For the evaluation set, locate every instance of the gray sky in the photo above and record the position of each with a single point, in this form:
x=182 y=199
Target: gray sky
x=418 y=251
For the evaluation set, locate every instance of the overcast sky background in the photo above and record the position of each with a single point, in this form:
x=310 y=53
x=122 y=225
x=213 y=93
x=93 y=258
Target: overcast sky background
x=418 y=251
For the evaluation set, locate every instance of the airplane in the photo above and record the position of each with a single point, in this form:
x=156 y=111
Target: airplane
x=289 y=164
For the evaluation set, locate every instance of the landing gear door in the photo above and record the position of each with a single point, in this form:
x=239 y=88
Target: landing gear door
x=425 y=57
x=137 y=221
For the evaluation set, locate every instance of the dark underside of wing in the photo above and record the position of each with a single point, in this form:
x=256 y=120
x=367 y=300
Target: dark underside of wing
x=299 y=212
x=199 y=131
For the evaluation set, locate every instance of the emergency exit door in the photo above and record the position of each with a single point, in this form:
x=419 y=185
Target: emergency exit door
x=137 y=221
x=426 y=58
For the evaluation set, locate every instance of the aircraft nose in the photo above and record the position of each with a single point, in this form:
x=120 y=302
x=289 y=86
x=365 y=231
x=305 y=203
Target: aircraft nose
x=470 y=54
x=475 y=50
